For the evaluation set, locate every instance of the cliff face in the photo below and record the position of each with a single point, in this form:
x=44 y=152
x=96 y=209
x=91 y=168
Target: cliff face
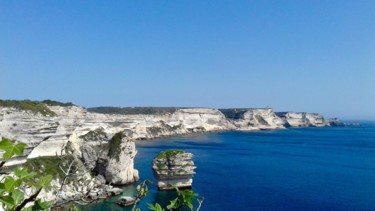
x=254 y=119
x=302 y=119
x=90 y=135
x=47 y=135
x=104 y=145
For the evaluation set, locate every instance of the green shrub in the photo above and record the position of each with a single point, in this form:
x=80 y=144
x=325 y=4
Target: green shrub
x=28 y=105
x=115 y=146
x=34 y=106
x=169 y=154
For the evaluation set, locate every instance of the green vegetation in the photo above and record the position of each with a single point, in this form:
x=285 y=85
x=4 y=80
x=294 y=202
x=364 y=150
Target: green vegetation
x=45 y=166
x=169 y=154
x=161 y=165
x=33 y=106
x=57 y=103
x=115 y=146
x=28 y=105
x=12 y=188
x=134 y=110
x=184 y=200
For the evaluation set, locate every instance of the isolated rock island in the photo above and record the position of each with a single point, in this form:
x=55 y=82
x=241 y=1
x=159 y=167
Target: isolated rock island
x=173 y=168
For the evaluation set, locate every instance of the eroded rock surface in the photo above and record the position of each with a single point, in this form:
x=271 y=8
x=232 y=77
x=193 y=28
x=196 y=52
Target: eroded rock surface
x=303 y=119
x=120 y=161
x=173 y=168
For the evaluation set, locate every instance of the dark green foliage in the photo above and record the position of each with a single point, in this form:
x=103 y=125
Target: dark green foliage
x=115 y=146
x=185 y=198
x=12 y=195
x=28 y=105
x=169 y=154
x=10 y=149
x=134 y=110
x=184 y=201
x=34 y=106
x=161 y=165
x=45 y=166
x=57 y=103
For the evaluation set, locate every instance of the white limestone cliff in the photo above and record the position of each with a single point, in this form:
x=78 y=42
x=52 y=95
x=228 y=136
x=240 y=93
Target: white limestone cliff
x=256 y=119
x=46 y=135
x=85 y=131
x=303 y=119
x=104 y=144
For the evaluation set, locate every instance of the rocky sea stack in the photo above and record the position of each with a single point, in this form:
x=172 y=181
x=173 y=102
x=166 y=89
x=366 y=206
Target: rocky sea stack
x=173 y=168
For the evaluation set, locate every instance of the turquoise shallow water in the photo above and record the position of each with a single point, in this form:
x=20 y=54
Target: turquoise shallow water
x=294 y=169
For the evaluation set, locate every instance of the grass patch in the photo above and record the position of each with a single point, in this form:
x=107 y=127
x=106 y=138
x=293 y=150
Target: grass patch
x=33 y=106
x=57 y=103
x=28 y=105
x=169 y=154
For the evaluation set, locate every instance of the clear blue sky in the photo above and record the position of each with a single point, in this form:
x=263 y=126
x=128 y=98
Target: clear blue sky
x=314 y=56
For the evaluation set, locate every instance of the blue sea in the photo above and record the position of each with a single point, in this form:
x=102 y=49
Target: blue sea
x=292 y=169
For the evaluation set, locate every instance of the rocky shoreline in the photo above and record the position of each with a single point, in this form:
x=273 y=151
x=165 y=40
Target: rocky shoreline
x=104 y=143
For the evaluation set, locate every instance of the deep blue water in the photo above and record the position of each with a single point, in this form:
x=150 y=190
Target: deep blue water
x=294 y=169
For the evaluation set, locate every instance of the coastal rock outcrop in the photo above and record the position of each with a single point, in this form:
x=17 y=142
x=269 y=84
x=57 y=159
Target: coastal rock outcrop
x=254 y=119
x=302 y=119
x=173 y=168
x=119 y=169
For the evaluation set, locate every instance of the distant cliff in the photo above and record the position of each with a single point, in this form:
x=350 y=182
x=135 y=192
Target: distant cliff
x=46 y=127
